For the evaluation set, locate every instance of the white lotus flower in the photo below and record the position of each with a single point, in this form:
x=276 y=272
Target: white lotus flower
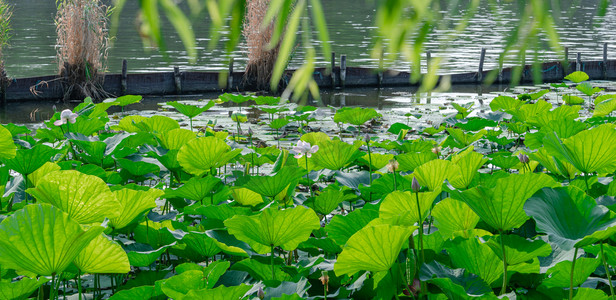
x=304 y=148
x=66 y=115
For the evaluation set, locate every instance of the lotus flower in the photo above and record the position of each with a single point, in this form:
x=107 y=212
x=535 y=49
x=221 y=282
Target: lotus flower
x=304 y=148
x=66 y=115
x=393 y=165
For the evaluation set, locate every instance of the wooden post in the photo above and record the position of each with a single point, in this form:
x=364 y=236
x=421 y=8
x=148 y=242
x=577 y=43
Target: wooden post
x=343 y=69
x=178 y=80
x=482 y=57
x=333 y=73
x=230 y=75
x=428 y=59
x=124 y=76
x=578 y=62
x=605 y=61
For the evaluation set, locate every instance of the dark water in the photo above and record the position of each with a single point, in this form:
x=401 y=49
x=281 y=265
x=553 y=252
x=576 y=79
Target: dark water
x=351 y=25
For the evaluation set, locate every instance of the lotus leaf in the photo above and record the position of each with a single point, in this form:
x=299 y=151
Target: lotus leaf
x=401 y=207
x=518 y=249
x=592 y=150
x=260 y=270
x=86 y=198
x=27 y=161
x=7 y=146
x=196 y=189
x=176 y=138
x=335 y=155
x=573 y=100
x=451 y=216
x=102 y=256
x=502 y=205
x=570 y=217
x=410 y=161
x=577 y=77
x=191 y=111
x=246 y=196
x=433 y=173
x=373 y=248
x=271 y=186
x=476 y=258
x=330 y=198
x=274 y=228
x=588 y=89
x=201 y=155
x=341 y=228
x=505 y=103
x=145 y=258
x=42 y=239
x=20 y=289
x=465 y=165
x=356 y=116
x=220 y=293
x=560 y=274
x=133 y=203
x=45 y=169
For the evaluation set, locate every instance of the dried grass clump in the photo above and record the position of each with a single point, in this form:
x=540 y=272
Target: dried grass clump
x=82 y=47
x=261 y=59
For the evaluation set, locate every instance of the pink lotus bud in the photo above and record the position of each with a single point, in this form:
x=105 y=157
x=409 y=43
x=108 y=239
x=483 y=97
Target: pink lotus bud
x=523 y=158
x=415 y=185
x=260 y=293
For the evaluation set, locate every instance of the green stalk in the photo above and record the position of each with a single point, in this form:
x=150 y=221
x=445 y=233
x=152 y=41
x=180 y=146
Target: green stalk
x=307 y=178
x=272 y=263
x=191 y=128
x=420 y=222
x=79 y=281
x=586 y=180
x=395 y=183
x=52 y=290
x=607 y=272
x=504 y=287
x=370 y=163
x=571 y=278
x=391 y=273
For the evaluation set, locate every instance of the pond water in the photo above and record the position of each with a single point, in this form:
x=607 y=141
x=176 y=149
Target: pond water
x=351 y=26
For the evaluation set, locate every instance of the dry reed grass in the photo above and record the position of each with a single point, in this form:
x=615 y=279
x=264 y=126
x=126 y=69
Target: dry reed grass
x=5 y=34
x=261 y=59
x=82 y=45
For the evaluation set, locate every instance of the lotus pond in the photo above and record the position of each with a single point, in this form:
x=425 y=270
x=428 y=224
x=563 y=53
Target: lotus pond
x=271 y=200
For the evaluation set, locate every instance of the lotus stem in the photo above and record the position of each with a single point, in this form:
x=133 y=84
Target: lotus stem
x=395 y=183
x=307 y=178
x=370 y=163
x=52 y=290
x=571 y=277
x=586 y=180
x=607 y=271
x=391 y=273
x=79 y=281
x=191 y=127
x=504 y=287
x=272 y=263
x=420 y=222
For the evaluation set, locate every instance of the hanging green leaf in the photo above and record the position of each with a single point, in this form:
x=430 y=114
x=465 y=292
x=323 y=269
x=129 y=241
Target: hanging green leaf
x=55 y=237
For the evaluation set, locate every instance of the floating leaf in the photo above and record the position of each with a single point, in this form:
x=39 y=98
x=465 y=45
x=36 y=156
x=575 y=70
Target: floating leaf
x=274 y=228
x=42 y=239
x=373 y=248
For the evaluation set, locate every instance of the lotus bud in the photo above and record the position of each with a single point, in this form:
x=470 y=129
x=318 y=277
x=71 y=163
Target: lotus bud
x=325 y=280
x=523 y=158
x=436 y=150
x=415 y=185
x=260 y=293
x=249 y=131
x=367 y=138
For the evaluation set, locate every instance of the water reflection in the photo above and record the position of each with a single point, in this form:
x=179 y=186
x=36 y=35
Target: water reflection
x=351 y=26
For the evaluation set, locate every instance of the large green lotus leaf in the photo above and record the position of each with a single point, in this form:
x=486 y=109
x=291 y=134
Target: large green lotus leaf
x=570 y=217
x=560 y=274
x=341 y=228
x=157 y=124
x=196 y=189
x=518 y=249
x=41 y=172
x=218 y=212
x=178 y=286
x=528 y=111
x=455 y=283
x=145 y=258
x=191 y=111
x=464 y=139
x=211 y=273
x=202 y=244
x=373 y=248
x=316 y=138
x=201 y=155
x=465 y=166
x=140 y=292
x=433 y=173
x=21 y=289
x=588 y=89
x=451 y=216
x=554 y=165
x=246 y=197
x=273 y=228
x=476 y=124
x=261 y=271
x=604 y=108
x=86 y=198
x=225 y=242
x=502 y=206
x=410 y=161
x=132 y=204
x=138 y=167
x=128 y=123
x=335 y=155
x=271 y=186
x=589 y=151
x=330 y=198
x=599 y=99
x=588 y=293
x=87 y=126
x=42 y=239
x=127 y=100
x=27 y=161
x=356 y=116
x=419 y=145
x=376 y=160
x=220 y=293
x=577 y=77
x=102 y=256
x=476 y=258
x=401 y=207
x=176 y=138
x=505 y=103
x=573 y=100
x=8 y=149
x=564 y=112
